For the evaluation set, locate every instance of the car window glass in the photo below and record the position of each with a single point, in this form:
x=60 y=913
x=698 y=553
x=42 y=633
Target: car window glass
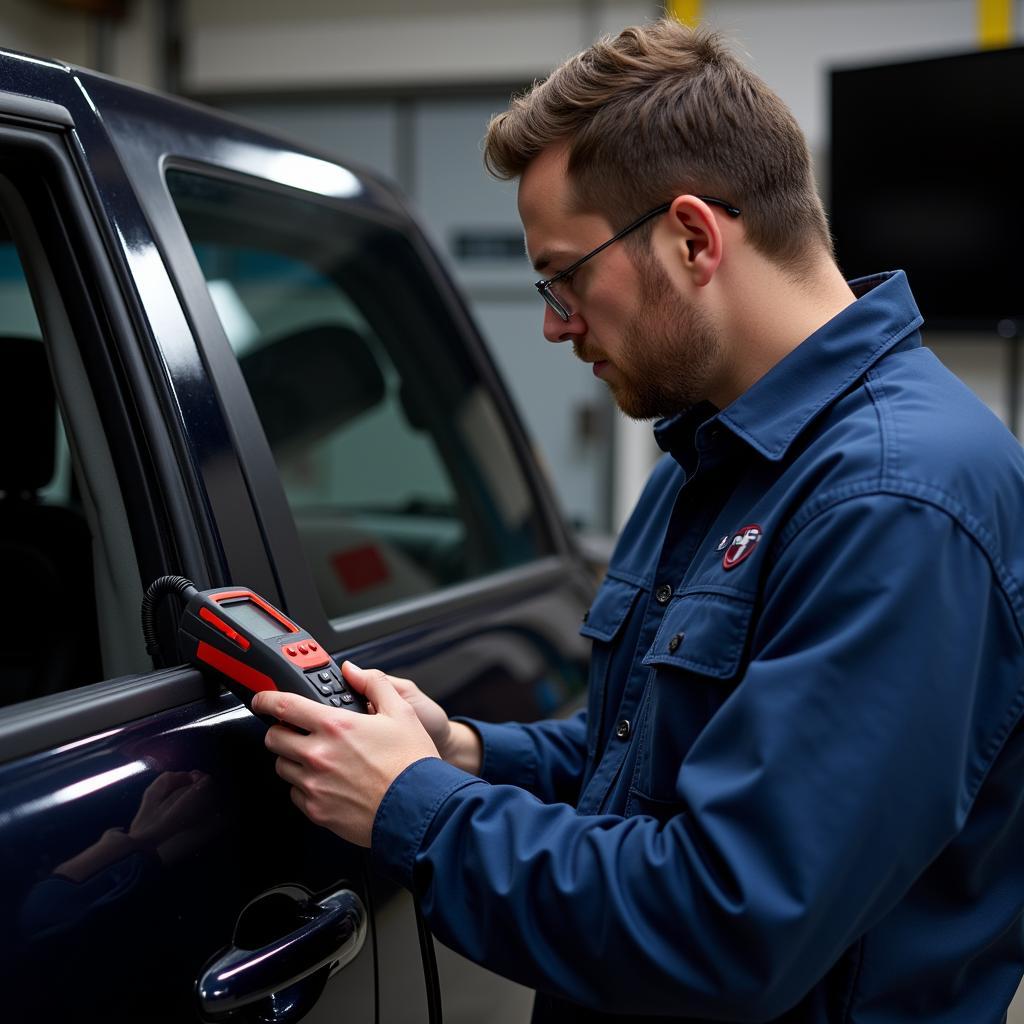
x=395 y=463
x=46 y=544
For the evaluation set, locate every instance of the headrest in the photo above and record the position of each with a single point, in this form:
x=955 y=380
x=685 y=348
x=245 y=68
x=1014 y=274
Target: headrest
x=307 y=384
x=28 y=416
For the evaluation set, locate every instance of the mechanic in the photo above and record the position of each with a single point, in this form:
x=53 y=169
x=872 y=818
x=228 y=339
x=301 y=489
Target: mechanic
x=796 y=792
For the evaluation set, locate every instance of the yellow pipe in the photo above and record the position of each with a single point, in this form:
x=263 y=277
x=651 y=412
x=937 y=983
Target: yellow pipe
x=995 y=23
x=686 y=11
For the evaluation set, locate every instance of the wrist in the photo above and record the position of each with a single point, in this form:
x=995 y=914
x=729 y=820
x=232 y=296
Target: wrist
x=464 y=749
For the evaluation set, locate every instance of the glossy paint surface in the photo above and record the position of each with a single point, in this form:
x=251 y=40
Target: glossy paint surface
x=132 y=852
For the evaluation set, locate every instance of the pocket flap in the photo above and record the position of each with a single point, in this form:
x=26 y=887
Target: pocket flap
x=704 y=633
x=611 y=608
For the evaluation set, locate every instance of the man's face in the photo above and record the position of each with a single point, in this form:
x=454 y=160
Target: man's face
x=668 y=352
x=652 y=346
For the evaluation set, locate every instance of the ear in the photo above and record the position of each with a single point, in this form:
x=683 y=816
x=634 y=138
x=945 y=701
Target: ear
x=698 y=235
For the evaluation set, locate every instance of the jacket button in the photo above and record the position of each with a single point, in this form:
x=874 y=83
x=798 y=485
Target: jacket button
x=622 y=729
x=586 y=615
x=673 y=644
x=663 y=594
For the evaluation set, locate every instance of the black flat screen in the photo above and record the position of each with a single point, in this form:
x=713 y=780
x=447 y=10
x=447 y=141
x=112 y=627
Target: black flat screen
x=925 y=176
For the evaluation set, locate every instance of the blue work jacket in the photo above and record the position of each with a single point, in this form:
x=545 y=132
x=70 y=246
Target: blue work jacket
x=797 y=791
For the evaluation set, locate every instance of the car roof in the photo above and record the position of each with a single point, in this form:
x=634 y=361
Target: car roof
x=46 y=80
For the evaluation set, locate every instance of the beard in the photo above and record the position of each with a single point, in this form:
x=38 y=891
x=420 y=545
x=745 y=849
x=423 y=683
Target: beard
x=668 y=353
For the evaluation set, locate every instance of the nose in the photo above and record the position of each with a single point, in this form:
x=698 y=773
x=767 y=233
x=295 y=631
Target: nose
x=557 y=329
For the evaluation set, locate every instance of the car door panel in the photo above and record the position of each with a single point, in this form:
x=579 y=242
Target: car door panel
x=144 y=828
x=116 y=904
x=147 y=841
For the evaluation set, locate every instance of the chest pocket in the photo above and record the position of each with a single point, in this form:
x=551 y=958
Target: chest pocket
x=604 y=624
x=697 y=656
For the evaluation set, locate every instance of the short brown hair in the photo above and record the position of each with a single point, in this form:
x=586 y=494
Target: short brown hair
x=661 y=110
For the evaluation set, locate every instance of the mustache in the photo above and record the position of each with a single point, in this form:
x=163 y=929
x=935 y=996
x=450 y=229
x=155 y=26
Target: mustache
x=584 y=354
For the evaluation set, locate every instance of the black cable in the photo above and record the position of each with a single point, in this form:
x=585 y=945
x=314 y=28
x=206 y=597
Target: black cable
x=372 y=914
x=430 y=975
x=154 y=593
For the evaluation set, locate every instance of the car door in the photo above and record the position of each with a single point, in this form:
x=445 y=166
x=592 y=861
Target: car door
x=154 y=867
x=405 y=518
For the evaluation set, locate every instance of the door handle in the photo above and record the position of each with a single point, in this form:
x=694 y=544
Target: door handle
x=282 y=977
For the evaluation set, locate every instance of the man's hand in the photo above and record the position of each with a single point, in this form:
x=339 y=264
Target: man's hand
x=341 y=770
x=456 y=742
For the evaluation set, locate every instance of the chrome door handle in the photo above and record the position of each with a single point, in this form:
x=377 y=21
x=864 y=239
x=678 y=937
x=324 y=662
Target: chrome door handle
x=331 y=935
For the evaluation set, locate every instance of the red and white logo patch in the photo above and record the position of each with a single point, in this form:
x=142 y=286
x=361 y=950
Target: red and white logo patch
x=742 y=546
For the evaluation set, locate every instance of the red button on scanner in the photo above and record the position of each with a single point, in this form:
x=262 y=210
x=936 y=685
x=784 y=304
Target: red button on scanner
x=306 y=655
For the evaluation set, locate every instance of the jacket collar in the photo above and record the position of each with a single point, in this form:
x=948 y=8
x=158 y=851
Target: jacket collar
x=771 y=413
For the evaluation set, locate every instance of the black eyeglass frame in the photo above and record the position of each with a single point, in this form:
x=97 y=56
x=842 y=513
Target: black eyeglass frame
x=544 y=286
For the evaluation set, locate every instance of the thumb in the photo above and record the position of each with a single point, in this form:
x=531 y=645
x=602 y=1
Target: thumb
x=375 y=686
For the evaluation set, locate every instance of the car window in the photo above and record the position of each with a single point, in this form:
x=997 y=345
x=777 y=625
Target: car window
x=395 y=463
x=53 y=549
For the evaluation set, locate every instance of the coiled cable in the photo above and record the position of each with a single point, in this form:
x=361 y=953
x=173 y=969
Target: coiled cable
x=155 y=592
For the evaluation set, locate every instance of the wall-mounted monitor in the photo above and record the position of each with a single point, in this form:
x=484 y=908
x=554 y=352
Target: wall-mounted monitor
x=926 y=175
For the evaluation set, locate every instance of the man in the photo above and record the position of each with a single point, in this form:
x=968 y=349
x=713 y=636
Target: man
x=796 y=793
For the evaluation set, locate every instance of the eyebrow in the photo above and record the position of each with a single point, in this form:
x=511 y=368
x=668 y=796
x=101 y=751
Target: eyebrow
x=545 y=259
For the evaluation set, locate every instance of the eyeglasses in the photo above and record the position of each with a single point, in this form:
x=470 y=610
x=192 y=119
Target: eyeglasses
x=560 y=305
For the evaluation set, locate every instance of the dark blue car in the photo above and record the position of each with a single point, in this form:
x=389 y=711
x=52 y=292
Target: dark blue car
x=232 y=359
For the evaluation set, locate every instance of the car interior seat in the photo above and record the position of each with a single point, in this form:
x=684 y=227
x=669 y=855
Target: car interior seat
x=49 y=641
x=307 y=385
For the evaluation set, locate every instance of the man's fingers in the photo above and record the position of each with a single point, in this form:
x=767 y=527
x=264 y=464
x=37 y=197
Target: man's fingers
x=375 y=686
x=291 y=708
x=352 y=672
x=299 y=799
x=285 y=742
x=292 y=773
x=357 y=677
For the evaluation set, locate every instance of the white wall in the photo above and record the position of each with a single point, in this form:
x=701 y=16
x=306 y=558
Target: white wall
x=790 y=43
x=313 y=42
x=31 y=27
x=73 y=37
x=793 y=43
x=261 y=45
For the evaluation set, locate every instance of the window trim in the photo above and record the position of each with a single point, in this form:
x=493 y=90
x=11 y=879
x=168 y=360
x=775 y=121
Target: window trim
x=34 y=726
x=115 y=363
x=33 y=109
x=297 y=588
x=54 y=215
x=116 y=574
x=499 y=587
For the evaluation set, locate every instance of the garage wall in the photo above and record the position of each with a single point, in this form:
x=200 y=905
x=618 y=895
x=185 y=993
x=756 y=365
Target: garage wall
x=127 y=48
x=791 y=43
x=329 y=71
x=394 y=41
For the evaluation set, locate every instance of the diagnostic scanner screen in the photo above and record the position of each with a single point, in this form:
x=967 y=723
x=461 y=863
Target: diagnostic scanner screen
x=253 y=618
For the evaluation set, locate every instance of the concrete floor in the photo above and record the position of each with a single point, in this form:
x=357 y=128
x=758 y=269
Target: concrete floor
x=1016 y=1014
x=508 y=1003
